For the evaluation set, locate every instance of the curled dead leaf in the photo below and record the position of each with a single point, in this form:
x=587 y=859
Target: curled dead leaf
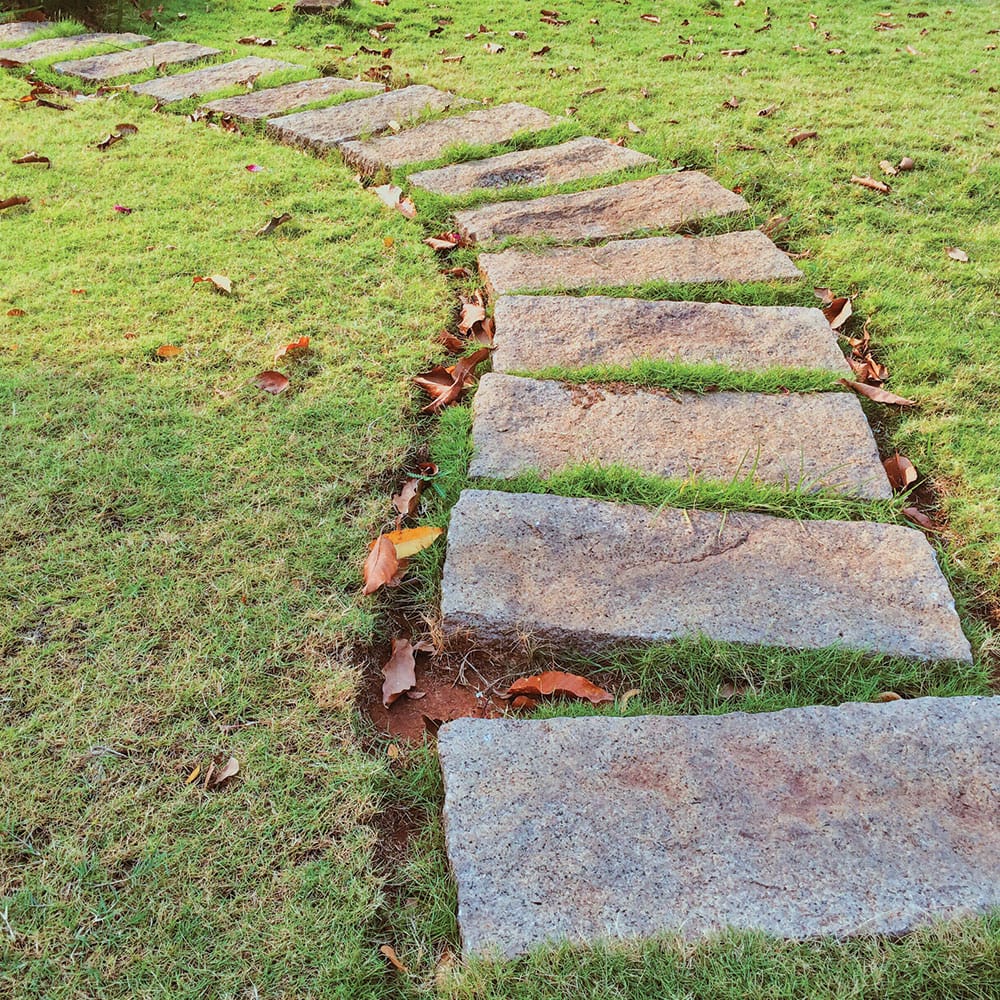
x=955 y=253
x=407 y=499
x=390 y=953
x=33 y=158
x=444 y=241
x=271 y=381
x=875 y=393
x=801 y=137
x=559 y=683
x=218 y=281
x=299 y=346
x=392 y=196
x=399 y=671
x=906 y=163
x=16 y=312
x=381 y=566
x=273 y=223
x=229 y=770
x=169 y=351
x=902 y=473
x=410 y=541
x=887 y=168
x=16 y=200
x=918 y=517
x=871 y=184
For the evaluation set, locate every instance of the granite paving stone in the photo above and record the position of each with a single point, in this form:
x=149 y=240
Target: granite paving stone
x=48 y=48
x=852 y=820
x=319 y=6
x=330 y=127
x=18 y=31
x=569 y=161
x=430 y=140
x=203 y=81
x=279 y=100
x=115 y=64
x=794 y=440
x=664 y=201
x=533 y=332
x=741 y=256
x=590 y=574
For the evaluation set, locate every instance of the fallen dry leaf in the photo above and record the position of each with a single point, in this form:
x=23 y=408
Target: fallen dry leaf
x=272 y=382
x=410 y=541
x=626 y=698
x=887 y=168
x=559 y=683
x=876 y=394
x=452 y=344
x=407 y=499
x=838 y=312
x=446 y=385
x=16 y=312
x=272 y=224
x=381 y=566
x=901 y=471
x=193 y=776
x=392 y=196
x=733 y=52
x=906 y=163
x=169 y=351
x=649 y=18
x=299 y=346
x=444 y=241
x=33 y=158
x=390 y=953
x=254 y=40
x=768 y=111
x=399 y=671
x=887 y=696
x=218 y=281
x=917 y=516
x=494 y=48
x=16 y=200
x=732 y=103
x=801 y=137
x=229 y=770
x=871 y=183
x=955 y=253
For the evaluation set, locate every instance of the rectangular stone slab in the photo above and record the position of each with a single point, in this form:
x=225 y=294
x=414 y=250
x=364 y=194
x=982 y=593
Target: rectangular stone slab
x=742 y=256
x=319 y=6
x=430 y=140
x=588 y=574
x=278 y=100
x=569 y=161
x=114 y=64
x=533 y=332
x=48 y=48
x=18 y=31
x=664 y=201
x=793 y=440
x=329 y=127
x=857 y=820
x=204 y=81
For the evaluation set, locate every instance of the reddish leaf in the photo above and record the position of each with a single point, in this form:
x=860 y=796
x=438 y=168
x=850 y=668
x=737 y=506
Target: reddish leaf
x=901 y=471
x=877 y=394
x=838 y=312
x=299 y=346
x=381 y=566
x=33 y=158
x=871 y=184
x=801 y=137
x=390 y=953
x=11 y=202
x=917 y=516
x=444 y=241
x=272 y=382
x=452 y=344
x=559 y=683
x=16 y=312
x=272 y=224
x=523 y=703
x=399 y=671
x=169 y=351
x=461 y=374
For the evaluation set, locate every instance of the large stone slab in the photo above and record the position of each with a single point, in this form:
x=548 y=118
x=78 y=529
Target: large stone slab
x=664 y=201
x=49 y=48
x=319 y=6
x=427 y=141
x=857 y=820
x=796 y=440
x=742 y=256
x=203 y=81
x=569 y=161
x=588 y=574
x=114 y=64
x=533 y=332
x=329 y=127
x=18 y=31
x=278 y=100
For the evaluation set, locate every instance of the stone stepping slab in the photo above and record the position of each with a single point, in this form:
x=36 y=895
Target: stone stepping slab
x=277 y=100
x=856 y=820
x=114 y=64
x=48 y=48
x=805 y=440
x=330 y=127
x=569 y=161
x=17 y=31
x=427 y=141
x=319 y=6
x=203 y=81
x=741 y=256
x=533 y=332
x=588 y=574
x=664 y=201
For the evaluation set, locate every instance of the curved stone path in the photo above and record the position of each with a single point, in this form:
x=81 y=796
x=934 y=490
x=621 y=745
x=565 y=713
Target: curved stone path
x=849 y=820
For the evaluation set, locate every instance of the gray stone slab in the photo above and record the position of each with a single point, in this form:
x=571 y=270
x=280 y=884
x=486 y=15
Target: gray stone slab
x=857 y=820
x=796 y=440
x=115 y=64
x=319 y=6
x=569 y=161
x=204 y=81
x=742 y=256
x=279 y=100
x=430 y=140
x=533 y=332
x=664 y=201
x=587 y=574
x=49 y=48
x=329 y=127
x=18 y=31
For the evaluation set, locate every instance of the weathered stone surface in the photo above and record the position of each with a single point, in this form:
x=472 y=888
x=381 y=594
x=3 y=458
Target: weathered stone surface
x=48 y=48
x=277 y=100
x=107 y=67
x=797 y=440
x=533 y=332
x=589 y=574
x=664 y=201
x=862 y=819
x=319 y=6
x=18 y=31
x=427 y=141
x=742 y=256
x=204 y=81
x=329 y=127
x=569 y=161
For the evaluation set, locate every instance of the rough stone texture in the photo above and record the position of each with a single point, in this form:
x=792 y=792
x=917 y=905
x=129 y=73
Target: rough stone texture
x=742 y=256
x=569 y=161
x=329 y=127
x=114 y=64
x=319 y=6
x=862 y=819
x=804 y=440
x=277 y=100
x=17 y=31
x=664 y=201
x=539 y=331
x=48 y=48
x=425 y=142
x=204 y=81
x=590 y=574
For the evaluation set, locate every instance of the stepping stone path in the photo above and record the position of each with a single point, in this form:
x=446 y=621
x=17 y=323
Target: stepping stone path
x=49 y=48
x=18 y=31
x=319 y=6
x=857 y=820
x=852 y=820
x=665 y=201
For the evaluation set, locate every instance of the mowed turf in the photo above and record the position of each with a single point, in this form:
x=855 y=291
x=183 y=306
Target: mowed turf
x=180 y=552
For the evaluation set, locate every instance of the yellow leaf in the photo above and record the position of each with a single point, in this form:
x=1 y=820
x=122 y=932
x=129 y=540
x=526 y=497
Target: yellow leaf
x=409 y=541
x=193 y=775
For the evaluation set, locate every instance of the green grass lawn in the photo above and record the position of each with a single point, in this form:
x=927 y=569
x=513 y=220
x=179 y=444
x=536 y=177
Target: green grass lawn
x=180 y=553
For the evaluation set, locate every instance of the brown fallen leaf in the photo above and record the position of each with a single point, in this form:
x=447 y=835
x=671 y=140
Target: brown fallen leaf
x=193 y=776
x=33 y=158
x=649 y=18
x=560 y=683
x=774 y=225
x=169 y=351
x=399 y=671
x=902 y=473
x=955 y=253
x=272 y=224
x=381 y=566
x=390 y=953
x=272 y=382
x=437 y=384
x=16 y=312
x=732 y=103
x=733 y=52
x=444 y=241
x=392 y=196
x=16 y=200
x=887 y=696
x=838 y=312
x=452 y=344
x=410 y=541
x=407 y=499
x=522 y=703
x=126 y=128
x=494 y=48
x=906 y=163
x=876 y=394
x=768 y=111
x=229 y=770
x=801 y=137
x=871 y=183
x=299 y=346
x=254 y=40
x=218 y=281
x=918 y=517
x=887 y=168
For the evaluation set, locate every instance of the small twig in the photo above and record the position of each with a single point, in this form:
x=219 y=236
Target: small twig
x=11 y=933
